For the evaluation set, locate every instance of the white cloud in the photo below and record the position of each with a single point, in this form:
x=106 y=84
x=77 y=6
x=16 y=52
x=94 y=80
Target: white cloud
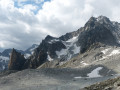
x=22 y=26
x=39 y=1
x=1 y=45
x=27 y=9
x=6 y=4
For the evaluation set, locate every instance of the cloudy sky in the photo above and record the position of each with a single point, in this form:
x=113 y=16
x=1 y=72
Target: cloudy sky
x=25 y=22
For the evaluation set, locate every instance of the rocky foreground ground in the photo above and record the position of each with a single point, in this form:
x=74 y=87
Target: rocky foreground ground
x=111 y=84
x=49 y=79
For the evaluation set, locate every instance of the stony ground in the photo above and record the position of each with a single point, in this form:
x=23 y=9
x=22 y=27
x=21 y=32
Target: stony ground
x=111 y=84
x=48 y=79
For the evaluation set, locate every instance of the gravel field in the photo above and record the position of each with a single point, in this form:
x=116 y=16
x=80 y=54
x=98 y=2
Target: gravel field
x=49 y=79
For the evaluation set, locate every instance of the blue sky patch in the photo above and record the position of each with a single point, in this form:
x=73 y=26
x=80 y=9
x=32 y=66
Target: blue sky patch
x=32 y=2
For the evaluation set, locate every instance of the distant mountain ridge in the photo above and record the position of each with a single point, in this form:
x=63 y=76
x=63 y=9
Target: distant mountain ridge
x=5 y=56
x=97 y=32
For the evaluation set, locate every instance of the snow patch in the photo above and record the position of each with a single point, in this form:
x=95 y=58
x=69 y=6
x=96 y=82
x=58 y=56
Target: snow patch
x=49 y=58
x=73 y=39
x=3 y=67
x=95 y=73
x=105 y=51
x=109 y=53
x=27 y=55
x=114 y=52
x=85 y=64
x=32 y=52
x=76 y=49
x=62 y=52
x=78 y=77
x=53 y=41
x=71 y=48
x=32 y=49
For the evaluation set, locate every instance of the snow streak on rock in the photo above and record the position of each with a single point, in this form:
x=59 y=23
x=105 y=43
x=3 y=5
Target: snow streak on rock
x=71 y=48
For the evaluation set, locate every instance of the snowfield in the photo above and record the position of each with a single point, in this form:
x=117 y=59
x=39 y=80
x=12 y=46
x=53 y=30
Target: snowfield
x=95 y=73
x=71 y=49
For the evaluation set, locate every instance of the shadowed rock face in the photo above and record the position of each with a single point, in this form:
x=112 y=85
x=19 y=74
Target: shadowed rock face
x=41 y=53
x=46 y=46
x=16 y=61
x=36 y=61
x=4 y=58
x=70 y=35
x=96 y=32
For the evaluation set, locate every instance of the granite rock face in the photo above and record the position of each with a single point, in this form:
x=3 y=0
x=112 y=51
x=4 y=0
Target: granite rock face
x=17 y=61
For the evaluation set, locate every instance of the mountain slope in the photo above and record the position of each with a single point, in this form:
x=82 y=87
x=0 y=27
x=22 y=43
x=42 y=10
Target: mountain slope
x=97 y=32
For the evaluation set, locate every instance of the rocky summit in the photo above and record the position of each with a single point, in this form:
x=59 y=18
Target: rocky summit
x=73 y=61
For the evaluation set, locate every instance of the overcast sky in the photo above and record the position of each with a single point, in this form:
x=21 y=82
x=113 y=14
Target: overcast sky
x=26 y=22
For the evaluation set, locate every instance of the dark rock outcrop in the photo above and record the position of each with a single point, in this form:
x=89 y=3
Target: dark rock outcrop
x=4 y=58
x=96 y=32
x=16 y=61
x=36 y=61
x=70 y=35
x=40 y=54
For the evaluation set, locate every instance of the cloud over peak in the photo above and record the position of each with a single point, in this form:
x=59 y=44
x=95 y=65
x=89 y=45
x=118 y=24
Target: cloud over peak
x=25 y=22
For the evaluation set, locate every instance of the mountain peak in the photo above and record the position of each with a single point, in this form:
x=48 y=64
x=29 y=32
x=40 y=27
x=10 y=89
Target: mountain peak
x=103 y=20
x=102 y=17
x=99 y=19
x=95 y=21
x=92 y=19
x=48 y=37
x=97 y=30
